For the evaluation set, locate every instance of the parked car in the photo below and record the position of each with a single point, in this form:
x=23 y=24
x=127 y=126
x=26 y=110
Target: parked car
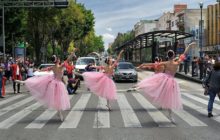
x=125 y=71
x=39 y=71
x=82 y=62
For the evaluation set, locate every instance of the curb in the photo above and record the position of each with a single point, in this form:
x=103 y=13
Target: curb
x=185 y=77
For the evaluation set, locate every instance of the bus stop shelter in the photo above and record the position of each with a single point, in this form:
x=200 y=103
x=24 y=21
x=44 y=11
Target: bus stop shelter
x=145 y=47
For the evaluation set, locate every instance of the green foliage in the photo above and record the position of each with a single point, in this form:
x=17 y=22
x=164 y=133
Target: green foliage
x=122 y=38
x=50 y=30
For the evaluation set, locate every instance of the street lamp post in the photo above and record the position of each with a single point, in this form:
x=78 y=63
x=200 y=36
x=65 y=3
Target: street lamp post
x=201 y=24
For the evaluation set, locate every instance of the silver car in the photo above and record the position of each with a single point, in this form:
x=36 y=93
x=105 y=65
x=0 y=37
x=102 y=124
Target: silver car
x=125 y=71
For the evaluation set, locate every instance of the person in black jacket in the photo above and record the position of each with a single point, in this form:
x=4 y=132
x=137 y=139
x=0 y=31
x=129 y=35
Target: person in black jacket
x=214 y=87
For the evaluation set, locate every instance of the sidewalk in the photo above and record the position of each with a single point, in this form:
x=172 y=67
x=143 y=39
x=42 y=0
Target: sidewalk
x=188 y=76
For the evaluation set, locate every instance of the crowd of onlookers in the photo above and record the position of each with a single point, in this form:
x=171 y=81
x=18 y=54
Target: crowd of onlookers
x=200 y=67
x=14 y=69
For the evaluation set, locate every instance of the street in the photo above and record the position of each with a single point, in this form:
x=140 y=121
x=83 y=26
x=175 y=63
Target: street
x=133 y=117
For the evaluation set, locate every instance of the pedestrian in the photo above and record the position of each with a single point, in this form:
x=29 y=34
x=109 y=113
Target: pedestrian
x=162 y=87
x=213 y=82
x=50 y=89
x=101 y=83
x=1 y=81
x=16 y=75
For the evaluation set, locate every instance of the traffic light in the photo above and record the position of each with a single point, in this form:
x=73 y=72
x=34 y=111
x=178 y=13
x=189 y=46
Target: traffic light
x=61 y=3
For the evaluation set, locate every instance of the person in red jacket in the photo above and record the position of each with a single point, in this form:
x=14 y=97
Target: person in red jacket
x=16 y=75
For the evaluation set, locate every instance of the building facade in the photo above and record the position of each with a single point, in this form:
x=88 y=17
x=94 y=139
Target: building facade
x=144 y=26
x=213 y=29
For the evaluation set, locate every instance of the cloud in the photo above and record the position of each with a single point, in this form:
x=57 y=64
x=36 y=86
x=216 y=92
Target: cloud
x=109 y=29
x=108 y=38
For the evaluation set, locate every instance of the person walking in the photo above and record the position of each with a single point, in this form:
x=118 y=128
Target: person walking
x=16 y=75
x=213 y=82
x=101 y=83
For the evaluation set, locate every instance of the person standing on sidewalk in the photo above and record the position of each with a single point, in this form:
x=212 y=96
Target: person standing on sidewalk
x=16 y=75
x=1 y=80
x=162 y=88
x=213 y=86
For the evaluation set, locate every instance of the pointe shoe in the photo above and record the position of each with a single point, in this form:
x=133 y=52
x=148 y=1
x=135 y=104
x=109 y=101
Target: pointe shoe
x=61 y=117
x=109 y=108
x=171 y=119
x=132 y=89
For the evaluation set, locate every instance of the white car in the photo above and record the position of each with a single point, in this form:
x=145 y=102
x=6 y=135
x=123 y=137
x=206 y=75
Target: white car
x=38 y=72
x=82 y=62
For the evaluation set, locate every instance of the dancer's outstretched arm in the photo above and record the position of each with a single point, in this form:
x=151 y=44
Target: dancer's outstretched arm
x=145 y=65
x=72 y=54
x=119 y=55
x=182 y=56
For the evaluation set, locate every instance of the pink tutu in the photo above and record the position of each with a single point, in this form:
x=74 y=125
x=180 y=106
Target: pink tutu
x=163 y=90
x=49 y=91
x=100 y=84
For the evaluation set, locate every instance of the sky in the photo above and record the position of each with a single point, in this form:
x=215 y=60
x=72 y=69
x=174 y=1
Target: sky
x=114 y=16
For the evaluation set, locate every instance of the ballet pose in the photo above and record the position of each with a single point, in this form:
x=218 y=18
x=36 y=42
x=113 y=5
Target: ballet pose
x=101 y=83
x=155 y=66
x=50 y=89
x=162 y=88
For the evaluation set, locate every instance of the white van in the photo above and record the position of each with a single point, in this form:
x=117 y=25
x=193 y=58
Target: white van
x=82 y=62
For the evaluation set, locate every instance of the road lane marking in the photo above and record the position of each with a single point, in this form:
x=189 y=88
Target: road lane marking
x=200 y=100
x=18 y=116
x=102 y=117
x=16 y=105
x=156 y=115
x=128 y=114
x=75 y=114
x=11 y=99
x=41 y=121
x=191 y=120
x=200 y=109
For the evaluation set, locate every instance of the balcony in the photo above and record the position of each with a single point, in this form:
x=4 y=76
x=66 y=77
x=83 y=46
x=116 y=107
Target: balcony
x=180 y=24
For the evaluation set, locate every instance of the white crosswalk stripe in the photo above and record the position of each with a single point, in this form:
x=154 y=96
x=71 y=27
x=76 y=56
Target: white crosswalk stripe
x=190 y=119
x=16 y=105
x=200 y=109
x=40 y=121
x=74 y=116
x=156 y=115
x=202 y=101
x=128 y=115
x=11 y=99
x=18 y=116
x=102 y=117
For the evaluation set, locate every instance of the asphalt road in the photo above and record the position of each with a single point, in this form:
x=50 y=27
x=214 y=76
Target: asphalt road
x=133 y=117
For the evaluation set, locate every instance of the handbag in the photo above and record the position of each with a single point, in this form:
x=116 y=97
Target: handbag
x=206 y=90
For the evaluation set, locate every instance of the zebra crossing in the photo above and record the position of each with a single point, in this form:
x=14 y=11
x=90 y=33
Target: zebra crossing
x=14 y=110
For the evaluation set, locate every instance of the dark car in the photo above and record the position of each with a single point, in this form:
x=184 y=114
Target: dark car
x=125 y=71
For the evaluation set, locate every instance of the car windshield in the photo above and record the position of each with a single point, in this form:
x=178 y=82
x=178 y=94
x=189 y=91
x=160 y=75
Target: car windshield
x=125 y=66
x=45 y=66
x=85 y=61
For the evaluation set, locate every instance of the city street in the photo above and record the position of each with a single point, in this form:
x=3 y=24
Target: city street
x=133 y=117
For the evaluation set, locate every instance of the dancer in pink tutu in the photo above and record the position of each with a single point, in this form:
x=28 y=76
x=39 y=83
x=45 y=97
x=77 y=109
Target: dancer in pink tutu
x=101 y=83
x=50 y=89
x=155 y=66
x=162 y=88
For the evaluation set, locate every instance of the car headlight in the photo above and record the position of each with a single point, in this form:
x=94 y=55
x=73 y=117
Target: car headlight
x=134 y=73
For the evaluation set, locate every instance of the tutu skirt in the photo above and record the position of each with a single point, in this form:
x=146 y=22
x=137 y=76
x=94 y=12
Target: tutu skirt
x=49 y=91
x=100 y=84
x=163 y=90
